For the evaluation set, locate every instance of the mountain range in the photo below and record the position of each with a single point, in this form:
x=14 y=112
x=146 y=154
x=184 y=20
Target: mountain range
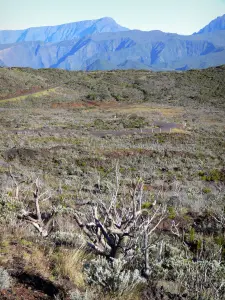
x=105 y=45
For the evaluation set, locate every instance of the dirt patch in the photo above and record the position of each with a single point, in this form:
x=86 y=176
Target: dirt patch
x=38 y=283
x=31 y=287
x=21 y=292
x=85 y=104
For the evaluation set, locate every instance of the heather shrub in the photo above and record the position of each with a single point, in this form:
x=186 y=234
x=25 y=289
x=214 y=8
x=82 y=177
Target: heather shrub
x=77 y=295
x=67 y=238
x=201 y=279
x=5 y=280
x=112 y=276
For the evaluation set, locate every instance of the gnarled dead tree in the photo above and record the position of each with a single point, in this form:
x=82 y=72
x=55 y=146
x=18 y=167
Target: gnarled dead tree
x=122 y=229
x=43 y=222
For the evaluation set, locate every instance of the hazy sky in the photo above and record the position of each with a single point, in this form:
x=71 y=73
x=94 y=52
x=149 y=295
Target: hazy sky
x=181 y=16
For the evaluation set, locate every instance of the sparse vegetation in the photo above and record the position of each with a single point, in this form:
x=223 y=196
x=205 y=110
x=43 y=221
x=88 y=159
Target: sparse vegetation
x=112 y=151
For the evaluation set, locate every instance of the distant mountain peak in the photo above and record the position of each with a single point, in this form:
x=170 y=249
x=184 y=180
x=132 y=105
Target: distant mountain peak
x=107 y=19
x=214 y=25
x=59 y=33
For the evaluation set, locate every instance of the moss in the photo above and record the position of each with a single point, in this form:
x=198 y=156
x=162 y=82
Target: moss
x=214 y=175
x=201 y=173
x=103 y=171
x=206 y=190
x=161 y=139
x=25 y=242
x=146 y=205
x=192 y=234
x=122 y=170
x=171 y=212
x=65 y=187
x=220 y=240
x=117 y=97
x=92 y=96
x=81 y=163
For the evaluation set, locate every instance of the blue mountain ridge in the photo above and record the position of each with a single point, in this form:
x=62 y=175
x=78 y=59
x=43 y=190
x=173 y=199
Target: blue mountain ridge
x=214 y=25
x=104 y=45
x=59 y=33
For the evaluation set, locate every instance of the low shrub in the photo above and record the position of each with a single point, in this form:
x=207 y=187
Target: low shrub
x=112 y=276
x=5 y=279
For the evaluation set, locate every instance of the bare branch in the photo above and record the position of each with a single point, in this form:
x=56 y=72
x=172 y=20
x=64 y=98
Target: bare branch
x=174 y=228
x=115 y=232
x=43 y=224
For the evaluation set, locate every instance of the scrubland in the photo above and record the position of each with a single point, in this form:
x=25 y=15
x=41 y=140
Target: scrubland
x=104 y=152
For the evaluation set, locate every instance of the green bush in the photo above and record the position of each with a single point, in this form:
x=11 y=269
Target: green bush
x=214 y=175
x=172 y=212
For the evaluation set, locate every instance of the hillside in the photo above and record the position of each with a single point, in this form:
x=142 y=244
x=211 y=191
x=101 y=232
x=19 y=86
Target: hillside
x=198 y=86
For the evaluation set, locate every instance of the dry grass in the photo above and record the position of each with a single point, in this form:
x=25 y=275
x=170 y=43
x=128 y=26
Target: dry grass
x=179 y=130
x=31 y=255
x=34 y=95
x=132 y=295
x=69 y=264
x=37 y=260
x=146 y=108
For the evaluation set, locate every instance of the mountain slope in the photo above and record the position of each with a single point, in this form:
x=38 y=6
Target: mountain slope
x=101 y=45
x=2 y=63
x=132 y=49
x=214 y=25
x=101 y=64
x=132 y=64
x=53 y=34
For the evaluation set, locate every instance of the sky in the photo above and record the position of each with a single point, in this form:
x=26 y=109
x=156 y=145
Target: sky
x=177 y=16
